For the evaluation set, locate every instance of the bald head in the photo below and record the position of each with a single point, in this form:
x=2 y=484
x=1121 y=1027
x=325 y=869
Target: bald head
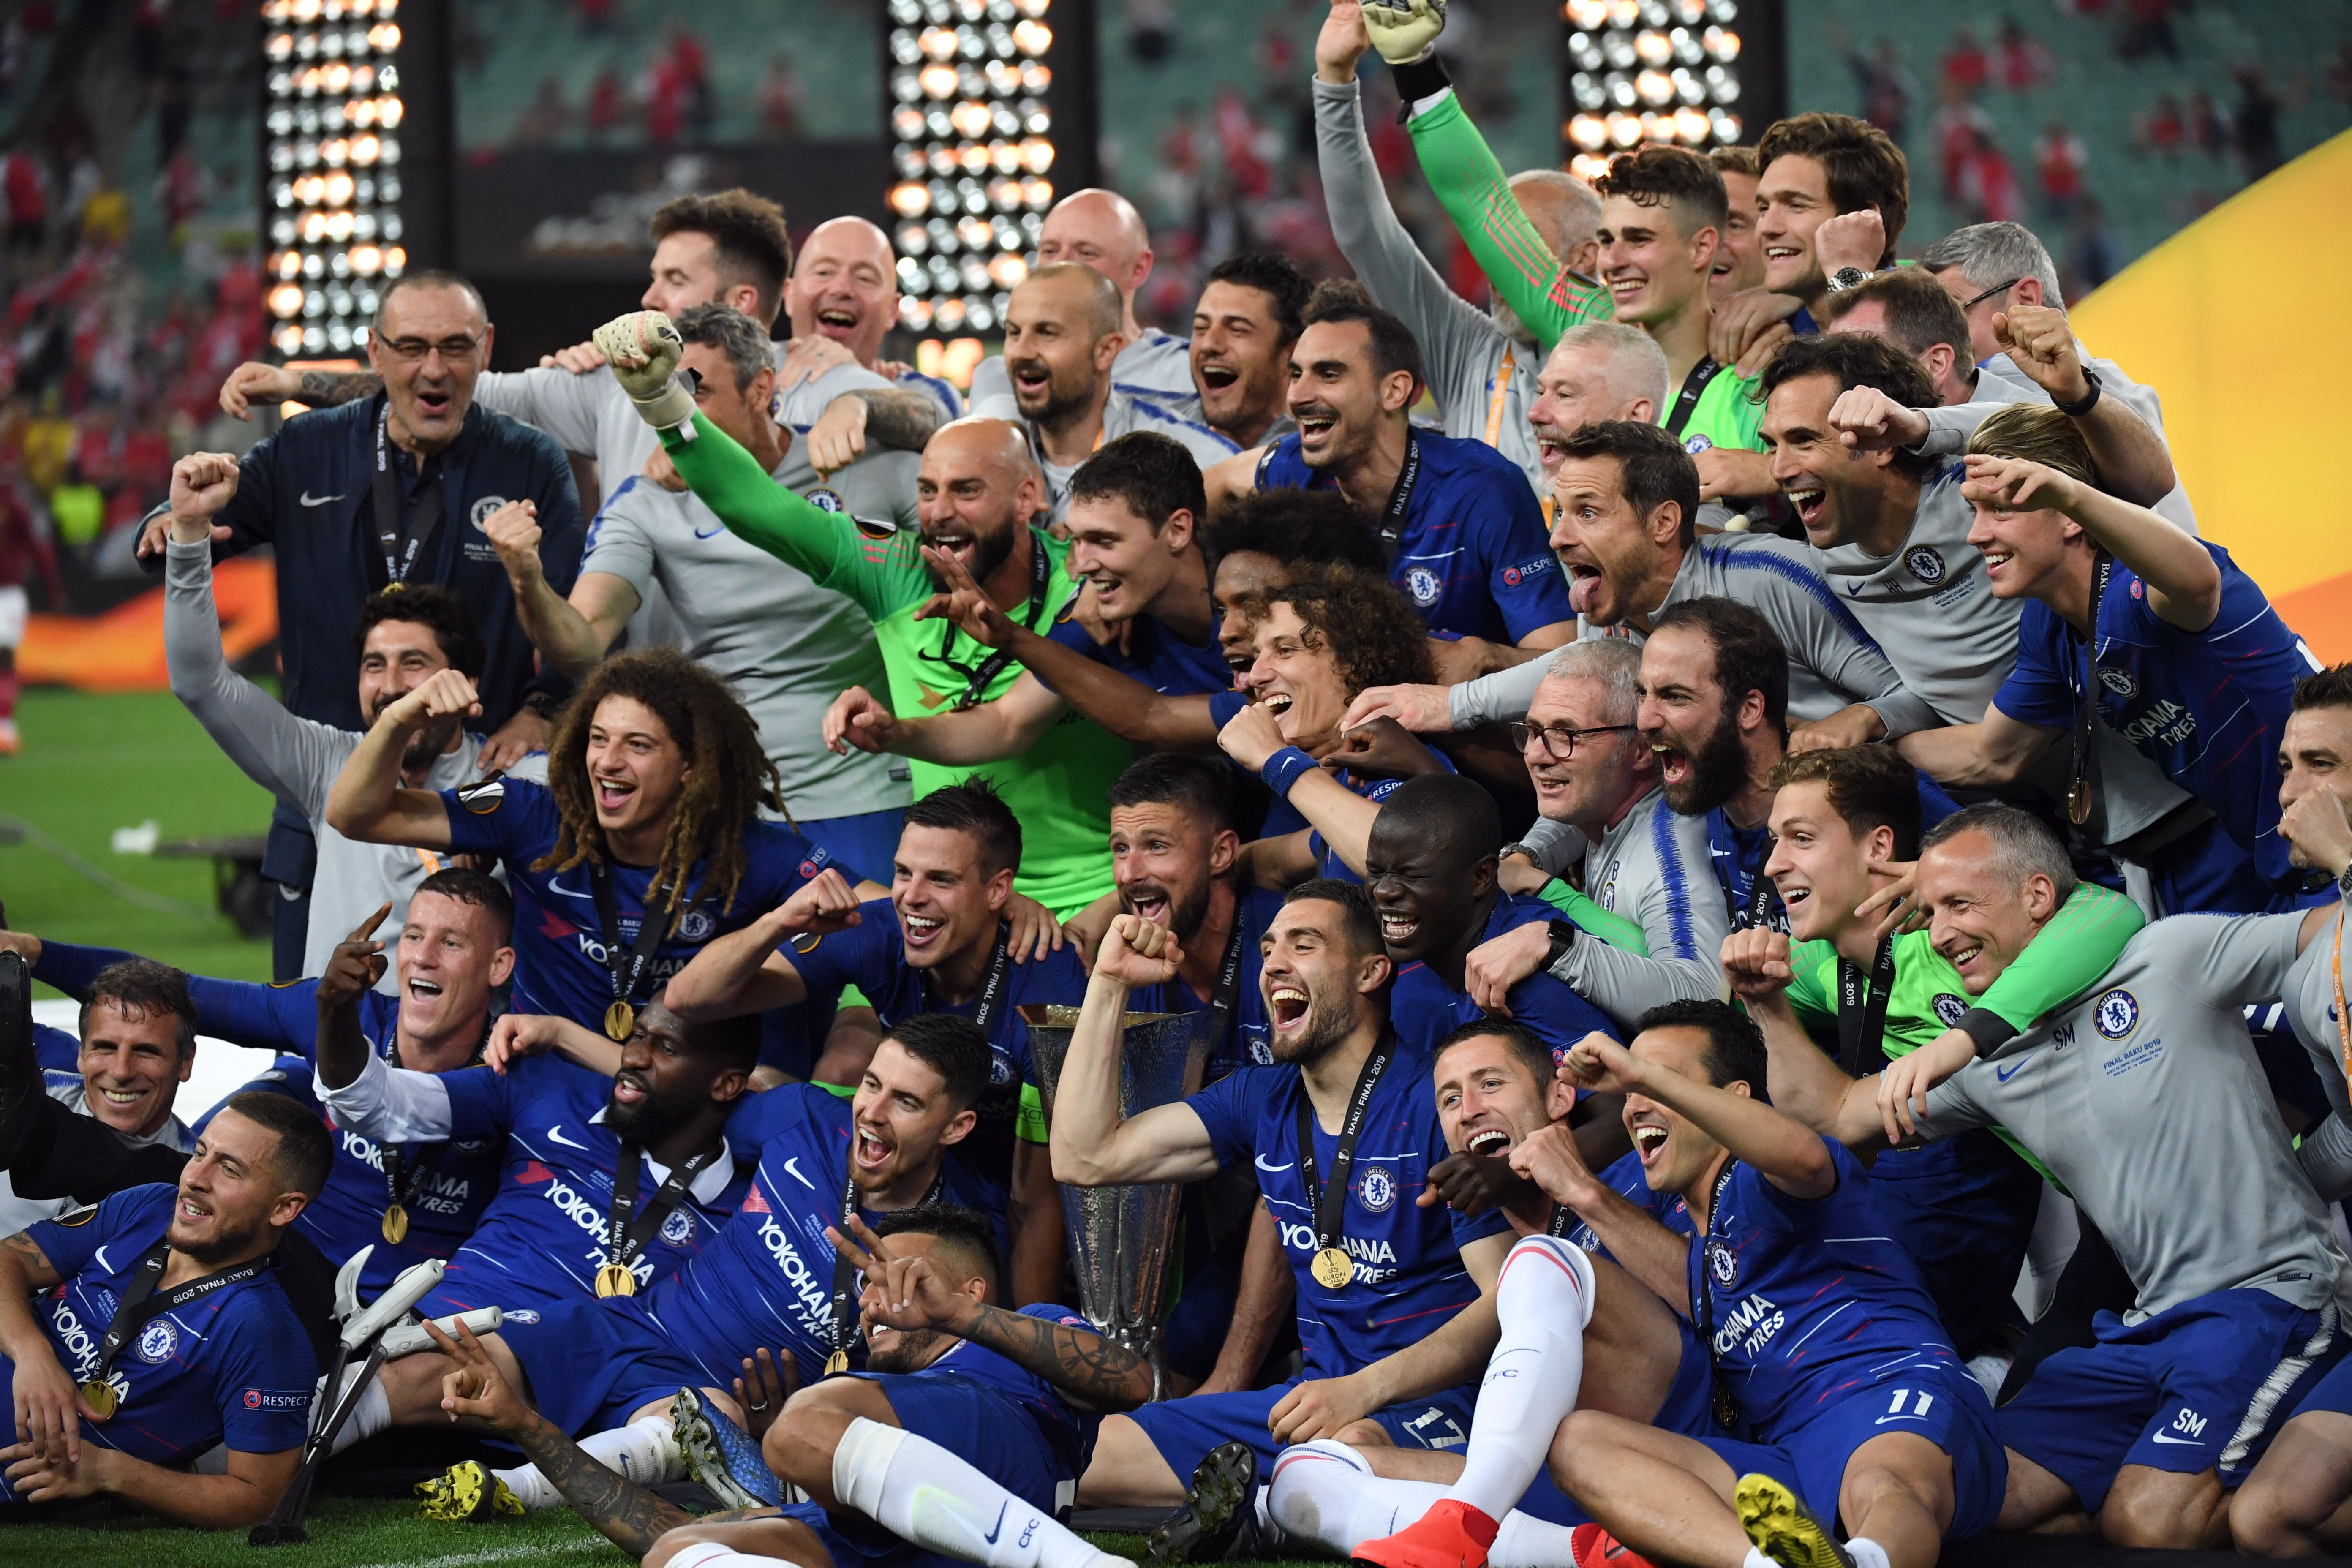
x=1102 y=230
x=1082 y=297
x=975 y=494
x=1566 y=212
x=995 y=447
x=845 y=286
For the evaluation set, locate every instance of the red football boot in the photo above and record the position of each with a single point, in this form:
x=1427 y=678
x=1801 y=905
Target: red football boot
x=1450 y=1535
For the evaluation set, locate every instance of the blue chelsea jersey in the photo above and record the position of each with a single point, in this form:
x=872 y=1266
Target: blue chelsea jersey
x=1424 y=1009
x=1247 y=1035
x=1153 y=656
x=1408 y=1278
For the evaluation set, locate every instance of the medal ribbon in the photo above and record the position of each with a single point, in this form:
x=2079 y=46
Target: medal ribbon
x=1391 y=531
x=628 y=970
x=1862 y=1025
x=1726 y=1408
x=1330 y=1200
x=625 y=1237
x=2086 y=700
x=845 y=1274
x=1502 y=390
x=141 y=1306
x=1686 y=400
x=401 y=545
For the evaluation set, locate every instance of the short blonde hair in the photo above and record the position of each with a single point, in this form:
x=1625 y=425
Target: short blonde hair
x=2038 y=434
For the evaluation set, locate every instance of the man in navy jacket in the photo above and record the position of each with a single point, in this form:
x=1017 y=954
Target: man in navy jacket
x=318 y=491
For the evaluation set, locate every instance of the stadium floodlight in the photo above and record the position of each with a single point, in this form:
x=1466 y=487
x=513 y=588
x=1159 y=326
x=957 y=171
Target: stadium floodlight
x=332 y=121
x=1641 y=71
x=971 y=160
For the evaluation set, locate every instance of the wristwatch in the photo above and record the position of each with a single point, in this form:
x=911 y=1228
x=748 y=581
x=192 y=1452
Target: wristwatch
x=2089 y=400
x=1563 y=937
x=1846 y=277
x=2343 y=886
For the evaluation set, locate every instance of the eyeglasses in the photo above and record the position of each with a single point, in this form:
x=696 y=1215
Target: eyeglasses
x=1560 y=739
x=1996 y=289
x=411 y=351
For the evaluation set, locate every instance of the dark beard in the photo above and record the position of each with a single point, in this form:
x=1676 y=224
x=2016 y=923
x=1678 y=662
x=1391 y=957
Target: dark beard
x=650 y=1120
x=1718 y=769
x=987 y=556
x=229 y=1244
x=1328 y=1027
x=1184 y=915
x=912 y=1353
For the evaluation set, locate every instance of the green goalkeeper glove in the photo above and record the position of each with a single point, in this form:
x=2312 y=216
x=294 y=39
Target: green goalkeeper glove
x=1404 y=34
x=643 y=349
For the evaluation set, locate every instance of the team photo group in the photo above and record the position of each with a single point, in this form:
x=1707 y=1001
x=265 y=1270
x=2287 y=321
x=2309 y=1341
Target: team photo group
x=951 y=960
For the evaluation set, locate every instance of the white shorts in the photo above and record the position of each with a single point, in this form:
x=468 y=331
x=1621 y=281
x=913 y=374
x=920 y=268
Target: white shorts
x=12 y=605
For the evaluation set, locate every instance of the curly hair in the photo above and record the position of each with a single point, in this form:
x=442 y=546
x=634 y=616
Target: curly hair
x=730 y=776
x=1375 y=635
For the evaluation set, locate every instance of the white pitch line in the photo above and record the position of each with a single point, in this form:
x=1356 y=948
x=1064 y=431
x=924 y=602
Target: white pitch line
x=496 y=1554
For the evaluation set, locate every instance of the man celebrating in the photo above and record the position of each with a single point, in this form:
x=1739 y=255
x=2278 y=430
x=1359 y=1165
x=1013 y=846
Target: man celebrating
x=1342 y=1130
x=961 y=1437
x=2145 y=1429
x=163 y=1302
x=1460 y=525
x=1135 y=508
x=785 y=645
x=2191 y=664
x=939 y=943
x=1061 y=336
x=634 y=816
x=1251 y=308
x=410 y=1202
x=1429 y=866
x=1875 y=1426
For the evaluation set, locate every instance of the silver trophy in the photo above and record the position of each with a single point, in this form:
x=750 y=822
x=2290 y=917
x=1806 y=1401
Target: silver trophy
x=1121 y=1238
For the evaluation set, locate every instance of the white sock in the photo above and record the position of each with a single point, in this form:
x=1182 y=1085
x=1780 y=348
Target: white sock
x=370 y=1416
x=1756 y=1559
x=1544 y=1300
x=1866 y=1552
x=645 y=1451
x=711 y=1554
x=922 y=1493
x=1325 y=1491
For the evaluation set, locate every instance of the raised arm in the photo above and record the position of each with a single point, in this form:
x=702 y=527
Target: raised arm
x=1783 y=1151
x=1995 y=751
x=1343 y=817
x=991 y=731
x=1092 y=1144
x=353 y=970
x=1647 y=1251
x=743 y=971
x=1806 y=1084
x=2130 y=457
x=2184 y=580
x=567 y=636
x=368 y=802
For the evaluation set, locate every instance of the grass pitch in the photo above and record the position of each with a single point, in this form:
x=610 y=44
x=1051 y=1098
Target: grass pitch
x=93 y=763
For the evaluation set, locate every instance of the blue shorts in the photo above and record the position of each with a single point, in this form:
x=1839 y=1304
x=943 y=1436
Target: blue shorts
x=990 y=1431
x=1963 y=1207
x=867 y=843
x=593 y=1365
x=2331 y=1395
x=1943 y=1404
x=2200 y=1387
x=855 y=1541
x=1184 y=1430
x=2206 y=870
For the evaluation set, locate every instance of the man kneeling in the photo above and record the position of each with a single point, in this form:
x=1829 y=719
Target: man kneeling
x=962 y=1438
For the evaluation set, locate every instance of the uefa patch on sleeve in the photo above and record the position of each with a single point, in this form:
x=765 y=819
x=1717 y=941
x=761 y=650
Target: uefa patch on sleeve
x=876 y=527
x=483 y=799
x=78 y=1216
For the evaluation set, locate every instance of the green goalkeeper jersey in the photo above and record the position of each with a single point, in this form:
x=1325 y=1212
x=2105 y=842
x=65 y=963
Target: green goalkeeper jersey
x=1059 y=789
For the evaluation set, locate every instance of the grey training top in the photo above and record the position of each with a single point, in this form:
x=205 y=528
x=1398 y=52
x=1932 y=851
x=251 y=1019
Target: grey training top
x=1157 y=365
x=1834 y=663
x=1121 y=414
x=1461 y=347
x=297 y=760
x=1652 y=868
x=2325 y=1153
x=1999 y=381
x=787 y=646
x=2143 y=1097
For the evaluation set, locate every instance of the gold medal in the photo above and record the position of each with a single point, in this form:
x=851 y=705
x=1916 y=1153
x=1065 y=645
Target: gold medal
x=837 y=1362
x=1332 y=1268
x=102 y=1397
x=395 y=1224
x=2078 y=803
x=615 y=1279
x=619 y=1019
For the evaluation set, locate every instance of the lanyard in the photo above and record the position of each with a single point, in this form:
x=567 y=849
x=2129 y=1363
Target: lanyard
x=977 y=677
x=1399 y=500
x=1727 y=1408
x=989 y=989
x=1229 y=981
x=400 y=545
x=845 y=1274
x=1862 y=1025
x=1502 y=390
x=400 y=1192
x=1762 y=894
x=627 y=1231
x=1332 y=1267
x=1687 y=399
x=2343 y=1025
x=1563 y=1220
x=2086 y=701
x=141 y=1306
x=626 y=970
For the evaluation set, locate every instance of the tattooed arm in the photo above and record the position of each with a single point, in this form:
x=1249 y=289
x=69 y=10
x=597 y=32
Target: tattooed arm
x=326 y=388
x=1091 y=1371
x=898 y=419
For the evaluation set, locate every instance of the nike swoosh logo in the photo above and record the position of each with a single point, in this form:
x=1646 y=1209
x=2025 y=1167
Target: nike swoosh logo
x=307 y=498
x=710 y=533
x=555 y=1135
x=2002 y=1077
x=1264 y=1166
x=101 y=1256
x=998 y=1527
x=793 y=1168
x=1885 y=1419
x=2184 y=1442
x=555 y=885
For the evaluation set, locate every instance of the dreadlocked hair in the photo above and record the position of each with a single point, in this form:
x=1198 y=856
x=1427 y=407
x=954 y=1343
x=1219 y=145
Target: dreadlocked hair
x=729 y=776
